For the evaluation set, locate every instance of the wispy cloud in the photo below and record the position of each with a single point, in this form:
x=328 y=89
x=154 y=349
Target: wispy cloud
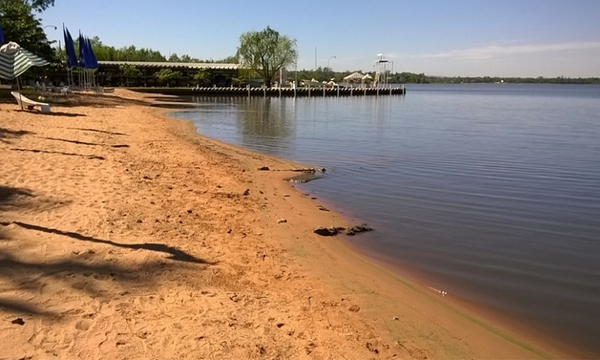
x=393 y=55
x=490 y=52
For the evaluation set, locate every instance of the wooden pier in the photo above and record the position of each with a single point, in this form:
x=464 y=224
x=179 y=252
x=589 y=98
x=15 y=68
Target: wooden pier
x=274 y=92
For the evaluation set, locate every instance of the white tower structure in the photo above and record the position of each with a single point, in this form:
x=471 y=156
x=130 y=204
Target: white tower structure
x=383 y=67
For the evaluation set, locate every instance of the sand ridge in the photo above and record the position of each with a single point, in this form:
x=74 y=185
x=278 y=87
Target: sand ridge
x=124 y=235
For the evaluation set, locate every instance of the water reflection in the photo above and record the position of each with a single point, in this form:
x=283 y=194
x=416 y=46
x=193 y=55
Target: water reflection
x=266 y=119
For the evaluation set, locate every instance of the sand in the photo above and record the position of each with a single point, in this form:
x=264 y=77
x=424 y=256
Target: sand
x=124 y=235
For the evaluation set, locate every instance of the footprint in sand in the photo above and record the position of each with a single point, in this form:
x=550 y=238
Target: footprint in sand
x=79 y=285
x=102 y=277
x=82 y=325
x=72 y=312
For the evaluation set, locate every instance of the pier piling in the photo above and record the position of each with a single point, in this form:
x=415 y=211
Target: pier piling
x=274 y=92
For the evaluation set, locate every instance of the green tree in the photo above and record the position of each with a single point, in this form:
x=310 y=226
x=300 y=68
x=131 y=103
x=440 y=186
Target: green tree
x=165 y=76
x=233 y=59
x=203 y=77
x=40 y=5
x=127 y=53
x=174 y=58
x=244 y=76
x=21 y=26
x=266 y=52
x=130 y=71
x=186 y=58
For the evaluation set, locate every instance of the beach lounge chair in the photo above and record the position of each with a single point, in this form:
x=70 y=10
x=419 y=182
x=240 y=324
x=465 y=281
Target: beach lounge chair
x=30 y=104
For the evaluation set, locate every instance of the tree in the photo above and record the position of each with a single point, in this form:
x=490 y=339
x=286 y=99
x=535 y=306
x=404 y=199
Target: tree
x=244 y=76
x=186 y=58
x=174 y=58
x=127 y=53
x=233 y=59
x=266 y=52
x=165 y=76
x=40 y=5
x=21 y=26
x=130 y=71
x=202 y=76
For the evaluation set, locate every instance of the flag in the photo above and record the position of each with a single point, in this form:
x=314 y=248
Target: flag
x=93 y=61
x=82 y=52
x=1 y=35
x=69 y=48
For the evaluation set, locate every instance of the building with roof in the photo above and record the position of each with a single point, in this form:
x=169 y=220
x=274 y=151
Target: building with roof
x=109 y=73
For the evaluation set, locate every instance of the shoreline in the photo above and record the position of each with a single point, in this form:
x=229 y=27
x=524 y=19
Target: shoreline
x=490 y=319
x=503 y=324
x=275 y=271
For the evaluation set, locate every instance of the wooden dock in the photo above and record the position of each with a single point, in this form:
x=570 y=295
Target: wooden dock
x=273 y=92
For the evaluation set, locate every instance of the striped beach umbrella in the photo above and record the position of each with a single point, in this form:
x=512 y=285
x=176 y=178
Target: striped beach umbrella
x=15 y=60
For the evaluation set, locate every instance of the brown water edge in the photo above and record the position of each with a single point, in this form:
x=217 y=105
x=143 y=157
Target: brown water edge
x=503 y=321
x=497 y=321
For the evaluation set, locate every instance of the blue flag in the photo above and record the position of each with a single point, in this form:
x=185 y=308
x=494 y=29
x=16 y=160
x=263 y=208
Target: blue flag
x=91 y=61
x=1 y=35
x=82 y=51
x=69 y=49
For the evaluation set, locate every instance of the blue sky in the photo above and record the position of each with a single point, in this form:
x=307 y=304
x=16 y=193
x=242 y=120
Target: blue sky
x=435 y=37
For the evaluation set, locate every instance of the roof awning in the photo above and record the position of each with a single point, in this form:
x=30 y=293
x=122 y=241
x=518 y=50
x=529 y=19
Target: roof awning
x=355 y=76
x=167 y=64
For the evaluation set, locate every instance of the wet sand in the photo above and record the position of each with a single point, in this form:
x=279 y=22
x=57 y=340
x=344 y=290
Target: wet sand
x=126 y=235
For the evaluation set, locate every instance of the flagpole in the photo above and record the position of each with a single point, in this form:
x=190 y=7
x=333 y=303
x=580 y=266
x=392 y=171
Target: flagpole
x=66 y=55
x=19 y=89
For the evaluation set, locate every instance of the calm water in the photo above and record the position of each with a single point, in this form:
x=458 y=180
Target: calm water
x=490 y=192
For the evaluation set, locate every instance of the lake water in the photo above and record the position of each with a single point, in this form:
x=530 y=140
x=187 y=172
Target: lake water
x=488 y=192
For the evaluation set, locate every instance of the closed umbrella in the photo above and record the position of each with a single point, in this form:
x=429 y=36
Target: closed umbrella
x=15 y=60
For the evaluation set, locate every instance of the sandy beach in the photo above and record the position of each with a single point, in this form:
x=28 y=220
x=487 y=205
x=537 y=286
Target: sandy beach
x=125 y=235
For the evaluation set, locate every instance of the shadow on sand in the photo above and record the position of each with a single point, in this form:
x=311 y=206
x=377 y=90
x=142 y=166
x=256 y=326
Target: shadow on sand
x=86 y=143
x=6 y=135
x=11 y=196
x=53 y=113
x=23 y=277
x=89 y=100
x=93 y=157
x=173 y=252
x=99 y=131
x=77 y=272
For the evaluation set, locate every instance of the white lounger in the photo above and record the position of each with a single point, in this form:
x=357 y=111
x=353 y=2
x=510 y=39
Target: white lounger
x=30 y=104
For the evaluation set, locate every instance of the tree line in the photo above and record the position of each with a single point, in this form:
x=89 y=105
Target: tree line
x=411 y=78
x=326 y=74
